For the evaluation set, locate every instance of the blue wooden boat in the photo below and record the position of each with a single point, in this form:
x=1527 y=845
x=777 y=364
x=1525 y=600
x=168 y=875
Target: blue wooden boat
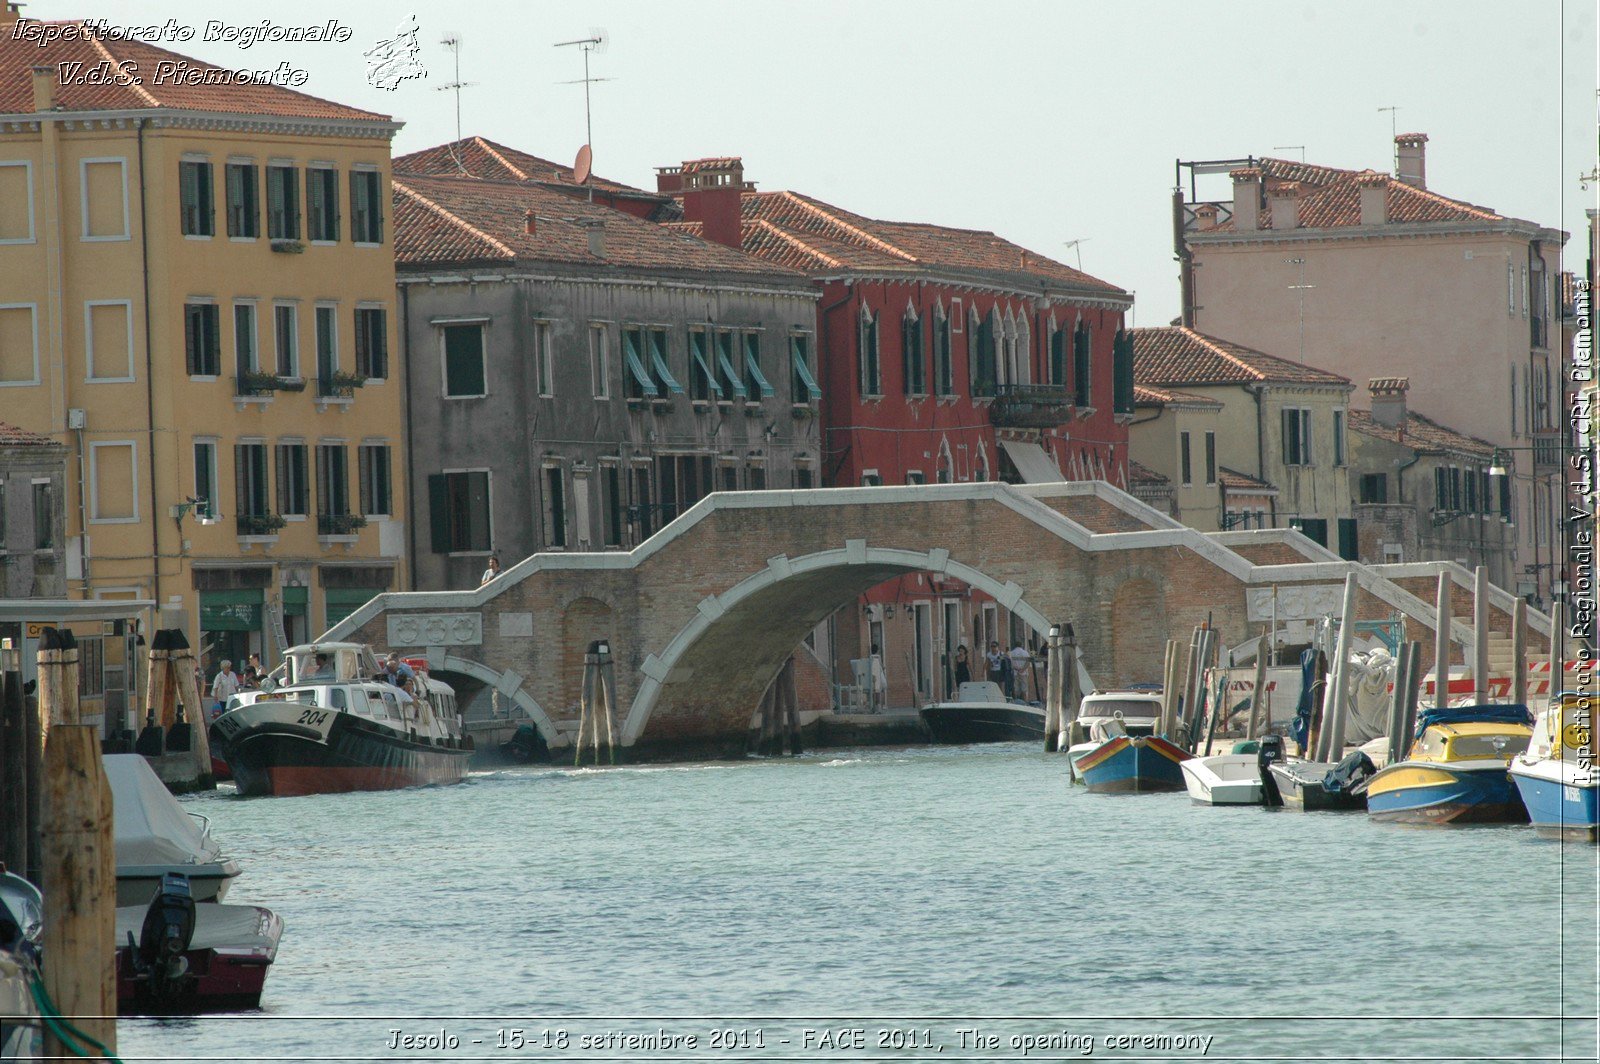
x=1133 y=763
x=1555 y=775
x=1456 y=772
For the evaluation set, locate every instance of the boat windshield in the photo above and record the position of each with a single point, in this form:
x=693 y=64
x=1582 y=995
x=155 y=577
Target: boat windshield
x=1130 y=708
x=1499 y=745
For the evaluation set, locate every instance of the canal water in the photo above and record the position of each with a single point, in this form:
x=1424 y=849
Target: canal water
x=908 y=904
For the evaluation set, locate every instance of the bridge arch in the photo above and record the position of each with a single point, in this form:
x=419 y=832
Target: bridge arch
x=508 y=684
x=723 y=643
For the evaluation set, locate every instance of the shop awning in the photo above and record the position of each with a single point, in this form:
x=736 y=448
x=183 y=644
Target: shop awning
x=1032 y=463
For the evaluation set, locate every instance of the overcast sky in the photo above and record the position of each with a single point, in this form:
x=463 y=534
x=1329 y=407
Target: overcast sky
x=1046 y=122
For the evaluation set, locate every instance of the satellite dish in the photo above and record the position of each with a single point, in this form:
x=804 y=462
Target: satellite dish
x=580 y=169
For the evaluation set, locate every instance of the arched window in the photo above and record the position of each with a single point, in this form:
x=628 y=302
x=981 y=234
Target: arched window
x=913 y=364
x=946 y=473
x=868 y=367
x=944 y=373
x=981 y=342
x=980 y=464
x=1023 y=367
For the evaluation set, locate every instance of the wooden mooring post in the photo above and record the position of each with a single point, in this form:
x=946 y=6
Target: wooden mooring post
x=1442 y=623
x=1053 y=726
x=1519 y=652
x=791 y=705
x=15 y=826
x=1260 y=713
x=594 y=703
x=1171 y=678
x=1399 y=741
x=1480 y=635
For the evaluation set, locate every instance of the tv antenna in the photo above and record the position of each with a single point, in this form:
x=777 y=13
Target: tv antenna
x=1301 y=148
x=597 y=41
x=1394 y=131
x=1077 y=246
x=453 y=42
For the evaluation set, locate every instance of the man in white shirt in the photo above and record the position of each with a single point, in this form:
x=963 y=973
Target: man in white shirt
x=491 y=572
x=223 y=687
x=1021 y=659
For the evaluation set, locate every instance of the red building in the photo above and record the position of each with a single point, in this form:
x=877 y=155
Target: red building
x=943 y=355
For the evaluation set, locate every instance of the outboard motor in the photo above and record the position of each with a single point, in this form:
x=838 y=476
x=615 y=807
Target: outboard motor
x=1349 y=776
x=21 y=916
x=1270 y=750
x=161 y=970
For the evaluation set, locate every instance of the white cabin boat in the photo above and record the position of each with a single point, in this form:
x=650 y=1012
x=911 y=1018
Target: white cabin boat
x=1105 y=715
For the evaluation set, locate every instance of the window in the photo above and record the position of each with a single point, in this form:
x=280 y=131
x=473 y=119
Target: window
x=640 y=513
x=599 y=372
x=1441 y=488
x=286 y=338
x=544 y=366
x=283 y=203
x=1313 y=528
x=981 y=354
x=458 y=510
x=244 y=201
x=1349 y=548
x=1455 y=488
x=611 y=504
x=1505 y=498
x=44 y=515
x=108 y=339
x=366 y=207
x=333 y=488
x=804 y=478
x=195 y=202
x=755 y=477
x=638 y=383
x=755 y=381
x=463 y=362
x=293 y=483
x=943 y=364
x=1338 y=437
x=666 y=383
x=1122 y=372
x=870 y=375
x=205 y=477
x=1184 y=476
x=202 y=346
x=1211 y=457
x=1081 y=375
x=373 y=475
x=703 y=384
x=1469 y=501
x=322 y=204
x=19 y=344
x=802 y=382
x=1374 y=487
x=245 y=357
x=912 y=366
x=250 y=480
x=16 y=203
x=113 y=482
x=104 y=206
x=731 y=384
x=915 y=476
x=1058 y=358
x=372 y=343
x=555 y=507
x=327 y=322
x=870 y=478
x=1296 y=436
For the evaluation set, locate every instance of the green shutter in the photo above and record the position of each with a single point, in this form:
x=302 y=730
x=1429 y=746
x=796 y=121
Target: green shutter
x=463 y=360
x=231 y=611
x=439 y=512
x=296 y=601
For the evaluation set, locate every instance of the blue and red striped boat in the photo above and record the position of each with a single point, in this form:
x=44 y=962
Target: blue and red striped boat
x=1133 y=763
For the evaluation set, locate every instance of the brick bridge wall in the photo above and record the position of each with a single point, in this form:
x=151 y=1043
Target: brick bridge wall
x=702 y=616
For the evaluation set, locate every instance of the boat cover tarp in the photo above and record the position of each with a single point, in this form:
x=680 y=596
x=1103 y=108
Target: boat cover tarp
x=1503 y=713
x=216 y=926
x=151 y=827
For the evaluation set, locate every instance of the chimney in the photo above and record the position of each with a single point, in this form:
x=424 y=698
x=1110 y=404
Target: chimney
x=1411 y=159
x=1285 y=203
x=1205 y=217
x=10 y=13
x=530 y=223
x=669 y=180
x=713 y=195
x=1246 y=199
x=44 y=88
x=597 y=236
x=1389 y=401
x=1374 y=189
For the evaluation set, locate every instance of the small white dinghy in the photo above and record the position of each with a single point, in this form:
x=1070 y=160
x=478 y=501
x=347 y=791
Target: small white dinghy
x=155 y=835
x=1223 y=779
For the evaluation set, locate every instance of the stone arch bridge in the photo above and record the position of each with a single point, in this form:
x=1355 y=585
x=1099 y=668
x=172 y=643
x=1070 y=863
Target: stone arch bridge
x=703 y=614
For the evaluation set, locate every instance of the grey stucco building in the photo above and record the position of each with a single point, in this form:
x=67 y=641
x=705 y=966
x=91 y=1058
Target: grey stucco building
x=577 y=375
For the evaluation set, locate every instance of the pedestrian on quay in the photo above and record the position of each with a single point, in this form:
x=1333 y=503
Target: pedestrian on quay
x=223 y=687
x=997 y=664
x=880 y=679
x=963 y=670
x=1021 y=658
x=491 y=572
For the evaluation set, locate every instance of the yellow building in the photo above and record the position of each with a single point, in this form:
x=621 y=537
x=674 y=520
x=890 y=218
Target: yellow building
x=196 y=297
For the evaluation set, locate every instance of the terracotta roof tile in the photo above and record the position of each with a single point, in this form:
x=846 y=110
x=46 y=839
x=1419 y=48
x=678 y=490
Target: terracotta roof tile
x=1138 y=473
x=1174 y=355
x=1243 y=483
x=1422 y=434
x=19 y=55
x=806 y=233
x=453 y=221
x=1330 y=198
x=1153 y=395
x=480 y=157
x=12 y=436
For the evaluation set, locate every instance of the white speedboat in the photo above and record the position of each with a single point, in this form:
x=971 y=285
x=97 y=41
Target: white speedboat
x=154 y=836
x=1223 y=779
x=981 y=713
x=1105 y=715
x=1556 y=774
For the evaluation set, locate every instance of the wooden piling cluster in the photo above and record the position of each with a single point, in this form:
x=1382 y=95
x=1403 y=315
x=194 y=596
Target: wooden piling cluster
x=596 y=703
x=1063 y=694
x=778 y=716
x=175 y=715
